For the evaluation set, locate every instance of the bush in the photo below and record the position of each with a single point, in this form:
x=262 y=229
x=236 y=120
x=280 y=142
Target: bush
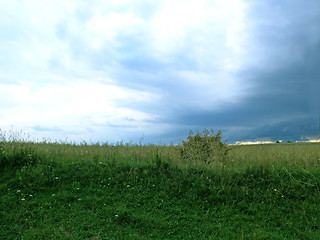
x=18 y=157
x=3 y=156
x=205 y=147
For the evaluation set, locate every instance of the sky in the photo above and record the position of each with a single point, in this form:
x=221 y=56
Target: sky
x=150 y=71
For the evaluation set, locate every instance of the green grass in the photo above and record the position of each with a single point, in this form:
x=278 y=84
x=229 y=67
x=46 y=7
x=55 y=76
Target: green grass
x=66 y=191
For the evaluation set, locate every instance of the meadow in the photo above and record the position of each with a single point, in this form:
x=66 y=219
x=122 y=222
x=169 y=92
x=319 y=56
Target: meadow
x=60 y=190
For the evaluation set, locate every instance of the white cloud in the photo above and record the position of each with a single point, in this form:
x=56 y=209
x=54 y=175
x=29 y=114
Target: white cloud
x=71 y=106
x=204 y=23
x=103 y=29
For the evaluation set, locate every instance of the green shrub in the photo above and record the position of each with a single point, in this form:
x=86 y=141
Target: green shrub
x=205 y=147
x=3 y=156
x=18 y=157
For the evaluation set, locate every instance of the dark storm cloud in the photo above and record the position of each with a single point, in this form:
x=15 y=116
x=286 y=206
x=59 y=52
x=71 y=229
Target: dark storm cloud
x=287 y=86
x=286 y=97
x=283 y=72
x=294 y=130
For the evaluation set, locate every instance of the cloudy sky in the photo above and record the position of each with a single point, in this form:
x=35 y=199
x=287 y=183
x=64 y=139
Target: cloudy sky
x=153 y=70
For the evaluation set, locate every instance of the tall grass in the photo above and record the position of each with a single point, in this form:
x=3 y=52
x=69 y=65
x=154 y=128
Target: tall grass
x=300 y=155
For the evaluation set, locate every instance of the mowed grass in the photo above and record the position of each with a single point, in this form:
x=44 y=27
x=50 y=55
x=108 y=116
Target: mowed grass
x=67 y=191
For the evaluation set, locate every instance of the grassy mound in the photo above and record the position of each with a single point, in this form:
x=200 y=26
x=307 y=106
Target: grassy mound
x=64 y=191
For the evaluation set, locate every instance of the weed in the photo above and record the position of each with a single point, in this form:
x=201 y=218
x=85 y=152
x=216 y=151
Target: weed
x=205 y=147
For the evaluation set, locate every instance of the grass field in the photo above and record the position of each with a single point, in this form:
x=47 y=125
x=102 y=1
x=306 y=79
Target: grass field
x=68 y=191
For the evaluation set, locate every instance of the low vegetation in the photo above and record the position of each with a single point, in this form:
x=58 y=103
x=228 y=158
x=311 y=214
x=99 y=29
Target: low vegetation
x=128 y=191
x=205 y=147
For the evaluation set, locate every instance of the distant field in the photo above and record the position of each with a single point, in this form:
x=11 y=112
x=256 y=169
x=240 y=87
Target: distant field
x=65 y=191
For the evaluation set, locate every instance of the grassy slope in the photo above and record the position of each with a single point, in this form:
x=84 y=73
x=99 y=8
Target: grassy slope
x=91 y=192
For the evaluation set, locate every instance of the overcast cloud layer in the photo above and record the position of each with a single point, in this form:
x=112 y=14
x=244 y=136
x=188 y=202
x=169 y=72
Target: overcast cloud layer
x=123 y=70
